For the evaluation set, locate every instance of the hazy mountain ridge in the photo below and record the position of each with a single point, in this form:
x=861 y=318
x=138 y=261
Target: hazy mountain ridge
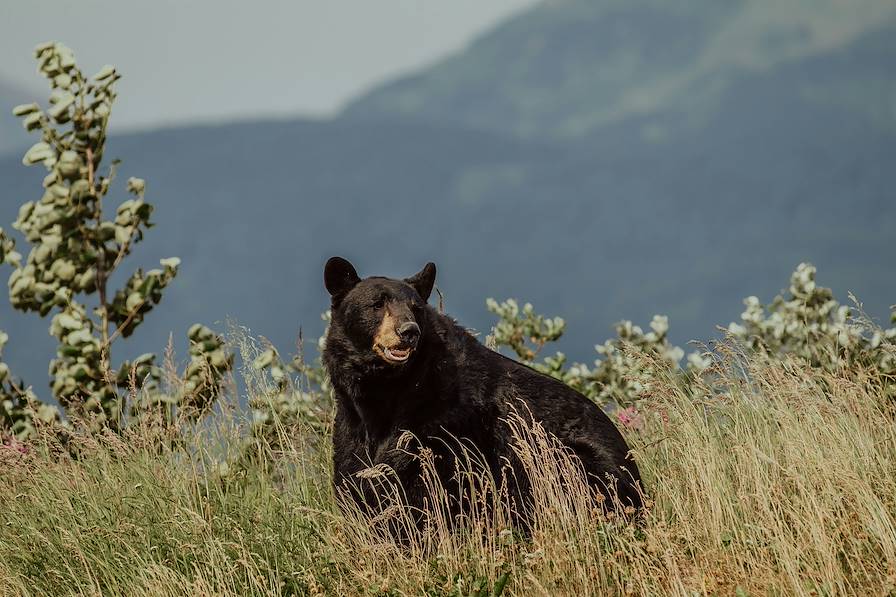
x=569 y=67
x=678 y=210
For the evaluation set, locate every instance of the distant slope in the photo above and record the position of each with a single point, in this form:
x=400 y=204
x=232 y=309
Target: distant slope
x=568 y=67
x=611 y=227
x=12 y=135
x=674 y=210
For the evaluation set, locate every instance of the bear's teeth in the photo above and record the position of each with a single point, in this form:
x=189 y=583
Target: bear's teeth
x=397 y=354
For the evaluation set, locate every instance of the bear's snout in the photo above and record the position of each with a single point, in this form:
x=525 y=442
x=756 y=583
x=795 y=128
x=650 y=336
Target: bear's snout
x=409 y=332
x=397 y=336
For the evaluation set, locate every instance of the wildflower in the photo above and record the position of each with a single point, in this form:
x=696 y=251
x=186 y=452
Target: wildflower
x=15 y=445
x=630 y=418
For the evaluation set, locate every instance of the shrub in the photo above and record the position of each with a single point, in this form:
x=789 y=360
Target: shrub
x=809 y=324
x=616 y=380
x=75 y=249
x=806 y=323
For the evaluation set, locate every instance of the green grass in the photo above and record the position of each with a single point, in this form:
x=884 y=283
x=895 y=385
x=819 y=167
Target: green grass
x=782 y=484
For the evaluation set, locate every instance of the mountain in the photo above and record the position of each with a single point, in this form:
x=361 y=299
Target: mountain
x=571 y=67
x=12 y=135
x=684 y=208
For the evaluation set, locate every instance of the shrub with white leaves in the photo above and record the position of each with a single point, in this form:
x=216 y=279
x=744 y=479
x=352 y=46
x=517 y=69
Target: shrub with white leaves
x=78 y=241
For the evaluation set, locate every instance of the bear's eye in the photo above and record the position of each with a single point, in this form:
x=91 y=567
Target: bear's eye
x=380 y=303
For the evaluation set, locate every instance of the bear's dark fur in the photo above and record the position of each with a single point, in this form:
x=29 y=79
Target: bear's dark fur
x=397 y=365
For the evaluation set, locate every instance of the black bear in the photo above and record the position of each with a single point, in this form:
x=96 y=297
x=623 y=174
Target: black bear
x=397 y=365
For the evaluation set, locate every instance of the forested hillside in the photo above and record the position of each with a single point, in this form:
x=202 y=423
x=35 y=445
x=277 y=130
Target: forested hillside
x=714 y=193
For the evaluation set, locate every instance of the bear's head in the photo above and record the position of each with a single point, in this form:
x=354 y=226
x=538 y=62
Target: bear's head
x=383 y=318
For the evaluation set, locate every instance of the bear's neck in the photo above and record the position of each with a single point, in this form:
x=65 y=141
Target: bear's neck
x=385 y=400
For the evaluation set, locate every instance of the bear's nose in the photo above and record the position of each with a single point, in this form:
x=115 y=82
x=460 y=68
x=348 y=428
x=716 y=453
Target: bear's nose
x=409 y=332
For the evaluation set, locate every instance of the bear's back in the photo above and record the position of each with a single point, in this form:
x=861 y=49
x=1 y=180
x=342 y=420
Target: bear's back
x=580 y=424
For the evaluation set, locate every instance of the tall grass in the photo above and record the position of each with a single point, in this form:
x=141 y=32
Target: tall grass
x=771 y=478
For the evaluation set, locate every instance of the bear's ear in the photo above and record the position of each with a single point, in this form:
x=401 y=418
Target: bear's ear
x=423 y=280
x=339 y=277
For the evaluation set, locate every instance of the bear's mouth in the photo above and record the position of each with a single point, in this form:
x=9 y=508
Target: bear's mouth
x=396 y=354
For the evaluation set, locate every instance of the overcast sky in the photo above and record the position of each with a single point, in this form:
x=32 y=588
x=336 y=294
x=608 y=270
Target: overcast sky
x=188 y=60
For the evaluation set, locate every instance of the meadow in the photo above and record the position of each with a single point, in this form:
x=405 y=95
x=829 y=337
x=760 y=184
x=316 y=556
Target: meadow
x=765 y=476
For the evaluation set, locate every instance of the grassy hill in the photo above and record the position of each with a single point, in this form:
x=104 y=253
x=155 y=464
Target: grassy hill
x=714 y=193
x=786 y=487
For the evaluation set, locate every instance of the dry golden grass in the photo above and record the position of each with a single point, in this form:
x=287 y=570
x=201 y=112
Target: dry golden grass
x=770 y=478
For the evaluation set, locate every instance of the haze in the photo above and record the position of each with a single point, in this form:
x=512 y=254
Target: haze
x=208 y=60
